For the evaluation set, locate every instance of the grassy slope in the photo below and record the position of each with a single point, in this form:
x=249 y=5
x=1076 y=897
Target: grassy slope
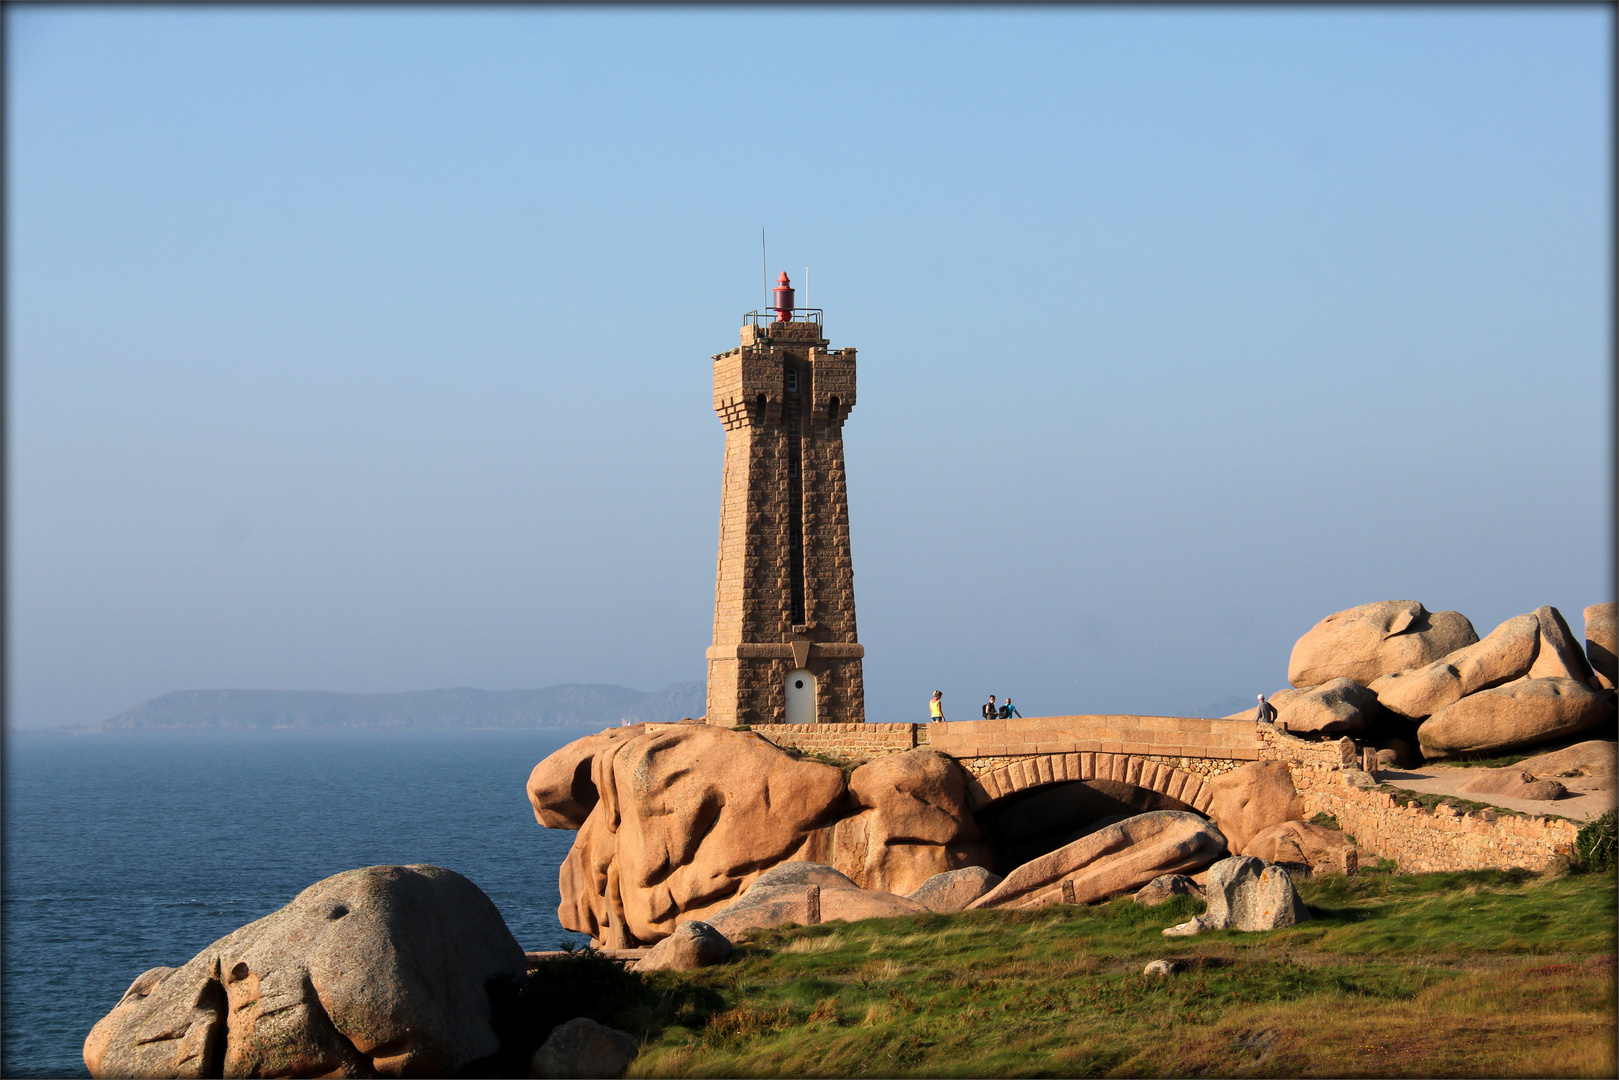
x=1468 y=974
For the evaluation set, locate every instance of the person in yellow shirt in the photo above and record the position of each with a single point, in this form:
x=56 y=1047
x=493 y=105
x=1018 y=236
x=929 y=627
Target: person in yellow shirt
x=936 y=707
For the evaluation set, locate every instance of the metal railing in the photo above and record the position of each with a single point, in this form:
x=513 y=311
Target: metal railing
x=759 y=319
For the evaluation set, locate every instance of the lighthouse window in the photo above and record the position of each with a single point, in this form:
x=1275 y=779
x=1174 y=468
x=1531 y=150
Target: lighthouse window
x=792 y=380
x=832 y=411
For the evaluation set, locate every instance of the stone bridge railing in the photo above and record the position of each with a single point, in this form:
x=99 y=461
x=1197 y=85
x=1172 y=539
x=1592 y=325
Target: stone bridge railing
x=1228 y=742
x=1207 y=745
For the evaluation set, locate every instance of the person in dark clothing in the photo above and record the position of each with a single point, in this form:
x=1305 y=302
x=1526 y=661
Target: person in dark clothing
x=989 y=708
x=1008 y=710
x=1267 y=712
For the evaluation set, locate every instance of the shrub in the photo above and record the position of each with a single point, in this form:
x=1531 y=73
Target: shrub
x=1596 y=844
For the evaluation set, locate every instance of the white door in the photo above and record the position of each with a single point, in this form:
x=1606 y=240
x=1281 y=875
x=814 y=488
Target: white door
x=800 y=697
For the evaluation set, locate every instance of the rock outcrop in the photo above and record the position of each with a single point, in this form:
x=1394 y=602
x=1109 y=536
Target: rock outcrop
x=694 y=944
x=1247 y=894
x=1336 y=707
x=1369 y=641
x=1506 y=653
x=1118 y=859
x=683 y=819
x=1602 y=643
x=1164 y=886
x=582 y=1049
x=373 y=972
x=1594 y=757
x=911 y=823
x=1249 y=800
x=560 y=788
x=1514 y=783
x=687 y=817
x=1538 y=645
x=806 y=894
x=1322 y=850
x=1559 y=655
x=955 y=889
x=1514 y=715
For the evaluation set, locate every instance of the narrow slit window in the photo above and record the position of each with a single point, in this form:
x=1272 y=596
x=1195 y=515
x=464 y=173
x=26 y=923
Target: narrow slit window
x=792 y=380
x=832 y=410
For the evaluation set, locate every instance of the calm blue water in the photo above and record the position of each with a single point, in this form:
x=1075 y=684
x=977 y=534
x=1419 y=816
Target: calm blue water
x=126 y=852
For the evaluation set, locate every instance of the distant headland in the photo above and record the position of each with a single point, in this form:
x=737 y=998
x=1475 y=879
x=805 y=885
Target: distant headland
x=564 y=705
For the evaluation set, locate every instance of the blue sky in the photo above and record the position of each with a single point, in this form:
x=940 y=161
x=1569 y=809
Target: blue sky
x=368 y=348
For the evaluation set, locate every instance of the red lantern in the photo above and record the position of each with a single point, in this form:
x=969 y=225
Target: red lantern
x=784 y=299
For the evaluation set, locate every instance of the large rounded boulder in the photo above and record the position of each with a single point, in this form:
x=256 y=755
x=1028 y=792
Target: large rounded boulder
x=1515 y=715
x=1559 y=655
x=1323 y=850
x=380 y=971
x=1246 y=894
x=1596 y=757
x=1602 y=642
x=1119 y=858
x=1251 y=799
x=911 y=822
x=1338 y=707
x=806 y=893
x=1506 y=653
x=1367 y=642
x=953 y=890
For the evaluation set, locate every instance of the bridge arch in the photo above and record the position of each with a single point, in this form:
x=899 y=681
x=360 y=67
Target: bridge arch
x=1041 y=770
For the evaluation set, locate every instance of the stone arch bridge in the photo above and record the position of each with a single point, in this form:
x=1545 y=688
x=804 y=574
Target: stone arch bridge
x=1170 y=755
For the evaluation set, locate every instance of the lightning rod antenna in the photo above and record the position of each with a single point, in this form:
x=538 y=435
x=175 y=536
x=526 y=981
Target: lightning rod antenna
x=764 y=265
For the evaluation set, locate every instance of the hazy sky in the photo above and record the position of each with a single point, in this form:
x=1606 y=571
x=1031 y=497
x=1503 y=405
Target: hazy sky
x=368 y=348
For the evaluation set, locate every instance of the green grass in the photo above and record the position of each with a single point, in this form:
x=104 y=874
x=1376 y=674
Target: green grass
x=1479 y=973
x=1431 y=799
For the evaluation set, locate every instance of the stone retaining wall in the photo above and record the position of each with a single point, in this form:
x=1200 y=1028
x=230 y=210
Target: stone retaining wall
x=1421 y=840
x=845 y=740
x=1277 y=745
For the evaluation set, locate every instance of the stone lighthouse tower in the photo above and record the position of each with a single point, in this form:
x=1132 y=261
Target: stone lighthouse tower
x=784 y=649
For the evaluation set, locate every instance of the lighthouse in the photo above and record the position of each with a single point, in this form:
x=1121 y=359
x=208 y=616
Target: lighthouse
x=785 y=650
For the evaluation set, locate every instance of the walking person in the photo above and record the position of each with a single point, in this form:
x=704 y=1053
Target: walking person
x=1008 y=710
x=1267 y=712
x=936 y=707
x=989 y=708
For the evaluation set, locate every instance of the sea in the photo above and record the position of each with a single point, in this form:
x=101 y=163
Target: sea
x=127 y=852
